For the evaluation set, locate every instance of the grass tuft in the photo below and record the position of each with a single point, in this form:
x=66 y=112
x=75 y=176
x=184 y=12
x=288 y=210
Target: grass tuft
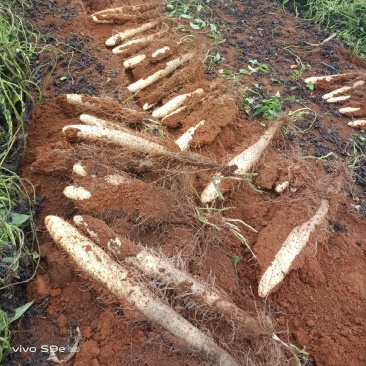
x=345 y=17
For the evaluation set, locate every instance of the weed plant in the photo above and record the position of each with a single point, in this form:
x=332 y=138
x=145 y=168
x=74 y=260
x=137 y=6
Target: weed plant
x=19 y=47
x=345 y=17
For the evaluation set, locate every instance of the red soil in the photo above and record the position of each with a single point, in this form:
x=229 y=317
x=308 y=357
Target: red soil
x=321 y=305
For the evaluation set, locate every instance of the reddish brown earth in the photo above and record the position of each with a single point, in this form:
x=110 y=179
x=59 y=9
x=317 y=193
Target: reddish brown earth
x=321 y=304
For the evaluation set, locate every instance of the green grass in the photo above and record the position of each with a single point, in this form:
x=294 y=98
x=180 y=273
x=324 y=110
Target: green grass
x=19 y=257
x=18 y=48
x=345 y=17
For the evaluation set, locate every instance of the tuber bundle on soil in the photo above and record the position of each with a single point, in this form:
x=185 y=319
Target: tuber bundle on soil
x=160 y=269
x=102 y=107
x=243 y=162
x=291 y=248
x=130 y=140
x=352 y=93
x=121 y=48
x=118 y=280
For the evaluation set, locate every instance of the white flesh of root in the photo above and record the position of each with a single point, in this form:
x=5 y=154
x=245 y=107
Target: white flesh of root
x=118 y=138
x=133 y=61
x=360 y=123
x=160 y=51
x=184 y=141
x=162 y=270
x=174 y=104
x=244 y=162
x=79 y=170
x=282 y=186
x=76 y=193
x=95 y=262
x=122 y=36
x=94 y=121
x=119 y=49
x=112 y=179
x=170 y=67
x=291 y=248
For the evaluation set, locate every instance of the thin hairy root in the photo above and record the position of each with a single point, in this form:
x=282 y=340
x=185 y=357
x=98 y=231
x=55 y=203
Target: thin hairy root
x=73 y=350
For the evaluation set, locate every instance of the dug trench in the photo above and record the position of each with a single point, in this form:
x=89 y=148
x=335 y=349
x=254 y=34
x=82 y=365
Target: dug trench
x=152 y=197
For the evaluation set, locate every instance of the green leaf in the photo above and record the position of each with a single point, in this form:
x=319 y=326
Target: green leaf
x=20 y=311
x=236 y=259
x=18 y=219
x=186 y=16
x=244 y=72
x=194 y=26
x=310 y=85
x=63 y=78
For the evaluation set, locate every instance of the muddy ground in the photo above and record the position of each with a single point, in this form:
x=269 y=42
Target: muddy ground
x=320 y=305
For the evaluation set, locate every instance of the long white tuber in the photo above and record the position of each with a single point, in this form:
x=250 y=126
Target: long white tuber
x=122 y=36
x=103 y=16
x=349 y=110
x=95 y=262
x=244 y=162
x=315 y=79
x=95 y=121
x=170 y=67
x=174 y=104
x=118 y=138
x=291 y=248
